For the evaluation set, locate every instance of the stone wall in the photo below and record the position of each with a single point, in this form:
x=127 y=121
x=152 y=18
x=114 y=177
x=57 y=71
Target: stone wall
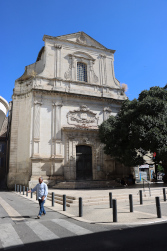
x=20 y=163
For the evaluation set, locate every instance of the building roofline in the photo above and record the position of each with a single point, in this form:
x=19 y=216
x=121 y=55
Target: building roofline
x=60 y=38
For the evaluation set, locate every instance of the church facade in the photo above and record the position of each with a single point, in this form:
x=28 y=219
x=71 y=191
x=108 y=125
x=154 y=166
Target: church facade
x=58 y=104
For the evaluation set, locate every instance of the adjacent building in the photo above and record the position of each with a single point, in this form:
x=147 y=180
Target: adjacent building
x=4 y=107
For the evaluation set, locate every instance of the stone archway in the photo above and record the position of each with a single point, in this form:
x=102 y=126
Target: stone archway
x=83 y=162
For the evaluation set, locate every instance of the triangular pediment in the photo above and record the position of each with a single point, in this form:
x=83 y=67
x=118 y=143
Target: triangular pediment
x=82 y=38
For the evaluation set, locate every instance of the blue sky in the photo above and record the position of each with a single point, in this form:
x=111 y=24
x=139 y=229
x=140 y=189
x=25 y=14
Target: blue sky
x=136 y=29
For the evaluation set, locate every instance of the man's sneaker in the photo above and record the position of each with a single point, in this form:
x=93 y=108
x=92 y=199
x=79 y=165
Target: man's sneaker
x=38 y=217
x=43 y=214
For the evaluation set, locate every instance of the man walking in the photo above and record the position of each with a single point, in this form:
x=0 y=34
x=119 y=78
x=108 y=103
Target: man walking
x=42 y=192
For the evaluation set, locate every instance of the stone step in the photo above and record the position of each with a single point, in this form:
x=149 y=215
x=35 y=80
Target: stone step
x=60 y=202
x=96 y=200
x=61 y=198
x=86 y=184
x=61 y=195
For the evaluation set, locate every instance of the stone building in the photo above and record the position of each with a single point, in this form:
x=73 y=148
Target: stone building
x=4 y=107
x=58 y=104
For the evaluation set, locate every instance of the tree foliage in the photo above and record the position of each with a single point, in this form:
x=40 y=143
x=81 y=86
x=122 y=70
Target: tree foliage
x=140 y=128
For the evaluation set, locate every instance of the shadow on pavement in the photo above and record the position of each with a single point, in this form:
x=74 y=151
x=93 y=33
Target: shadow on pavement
x=17 y=217
x=140 y=238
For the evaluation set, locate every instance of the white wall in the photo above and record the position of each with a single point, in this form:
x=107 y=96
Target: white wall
x=3 y=110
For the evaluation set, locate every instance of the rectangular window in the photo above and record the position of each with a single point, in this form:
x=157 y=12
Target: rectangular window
x=81 y=72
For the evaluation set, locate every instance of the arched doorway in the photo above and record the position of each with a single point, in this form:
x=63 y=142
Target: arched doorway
x=83 y=162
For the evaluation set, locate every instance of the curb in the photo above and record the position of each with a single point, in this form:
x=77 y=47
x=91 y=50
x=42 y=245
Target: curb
x=134 y=224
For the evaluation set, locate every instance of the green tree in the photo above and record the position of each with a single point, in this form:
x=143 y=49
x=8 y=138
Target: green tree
x=140 y=128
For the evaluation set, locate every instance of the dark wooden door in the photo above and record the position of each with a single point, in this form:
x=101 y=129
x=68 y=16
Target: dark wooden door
x=83 y=162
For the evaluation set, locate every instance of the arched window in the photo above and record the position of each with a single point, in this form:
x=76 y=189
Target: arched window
x=81 y=72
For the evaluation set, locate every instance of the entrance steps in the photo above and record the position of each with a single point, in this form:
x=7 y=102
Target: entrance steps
x=123 y=196
x=86 y=184
x=99 y=200
x=58 y=198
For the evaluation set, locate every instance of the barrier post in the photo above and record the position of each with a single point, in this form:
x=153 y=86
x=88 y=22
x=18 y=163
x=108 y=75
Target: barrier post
x=131 y=202
x=141 y=197
x=23 y=189
x=164 y=194
x=114 y=210
x=64 y=202
x=110 y=200
x=53 y=199
x=80 y=207
x=20 y=188
x=158 y=207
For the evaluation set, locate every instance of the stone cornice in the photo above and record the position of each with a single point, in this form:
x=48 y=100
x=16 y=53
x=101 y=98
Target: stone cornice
x=76 y=43
x=79 y=128
x=73 y=81
x=81 y=96
x=56 y=158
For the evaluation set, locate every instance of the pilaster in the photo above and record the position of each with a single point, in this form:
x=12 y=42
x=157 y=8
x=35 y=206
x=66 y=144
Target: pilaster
x=102 y=69
x=57 y=62
x=36 y=128
x=56 y=146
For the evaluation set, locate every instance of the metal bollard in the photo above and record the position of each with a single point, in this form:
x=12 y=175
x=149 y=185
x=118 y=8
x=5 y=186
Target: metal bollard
x=23 y=189
x=20 y=188
x=27 y=192
x=158 y=207
x=31 y=194
x=141 y=197
x=64 y=202
x=17 y=188
x=80 y=207
x=131 y=202
x=110 y=200
x=114 y=210
x=164 y=194
x=149 y=189
x=53 y=199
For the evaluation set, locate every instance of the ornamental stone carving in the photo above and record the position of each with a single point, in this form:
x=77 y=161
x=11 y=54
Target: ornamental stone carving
x=57 y=46
x=81 y=39
x=94 y=77
x=68 y=73
x=82 y=117
x=107 y=113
